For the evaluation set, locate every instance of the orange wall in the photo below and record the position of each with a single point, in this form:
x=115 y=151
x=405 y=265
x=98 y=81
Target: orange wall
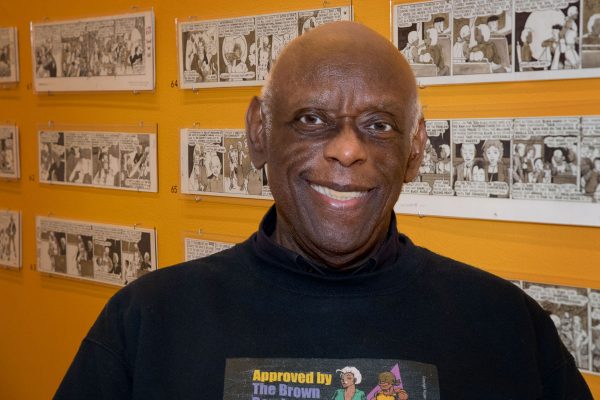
x=43 y=318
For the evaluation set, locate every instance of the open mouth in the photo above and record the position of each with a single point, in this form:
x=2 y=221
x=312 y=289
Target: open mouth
x=339 y=195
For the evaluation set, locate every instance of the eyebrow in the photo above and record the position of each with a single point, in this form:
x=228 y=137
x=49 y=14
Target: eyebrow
x=317 y=102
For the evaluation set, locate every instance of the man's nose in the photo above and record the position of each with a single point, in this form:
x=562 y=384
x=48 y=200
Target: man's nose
x=347 y=146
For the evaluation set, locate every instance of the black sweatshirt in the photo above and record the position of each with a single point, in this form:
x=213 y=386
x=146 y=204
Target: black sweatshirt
x=259 y=322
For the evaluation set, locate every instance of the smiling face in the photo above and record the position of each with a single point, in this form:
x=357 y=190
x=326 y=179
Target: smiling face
x=493 y=155
x=467 y=150
x=340 y=142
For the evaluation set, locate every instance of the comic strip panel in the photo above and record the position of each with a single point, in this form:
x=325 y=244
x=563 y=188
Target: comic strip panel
x=9 y=56
x=481 y=157
x=52 y=248
x=548 y=35
x=590 y=42
x=590 y=158
x=482 y=37
x=199 y=53
x=10 y=239
x=236 y=36
x=310 y=19
x=435 y=173
x=94 y=54
x=238 y=165
x=545 y=160
x=594 y=296
x=102 y=253
x=138 y=162
x=9 y=152
x=568 y=309
x=78 y=158
x=80 y=252
x=423 y=35
x=199 y=248
x=138 y=256
x=52 y=157
x=202 y=156
x=105 y=161
x=107 y=260
x=273 y=33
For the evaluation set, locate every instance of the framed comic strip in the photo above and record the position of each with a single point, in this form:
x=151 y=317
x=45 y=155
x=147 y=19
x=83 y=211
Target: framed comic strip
x=101 y=159
x=217 y=162
x=110 y=254
x=544 y=169
x=9 y=152
x=466 y=41
x=241 y=51
x=9 y=56
x=109 y=53
x=10 y=239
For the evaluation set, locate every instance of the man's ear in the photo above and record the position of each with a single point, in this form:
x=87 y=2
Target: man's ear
x=256 y=134
x=416 y=152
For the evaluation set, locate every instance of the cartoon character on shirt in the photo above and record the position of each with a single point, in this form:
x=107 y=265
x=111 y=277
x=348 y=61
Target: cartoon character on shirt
x=388 y=391
x=349 y=377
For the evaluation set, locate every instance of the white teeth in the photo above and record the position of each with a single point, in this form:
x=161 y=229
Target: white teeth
x=334 y=194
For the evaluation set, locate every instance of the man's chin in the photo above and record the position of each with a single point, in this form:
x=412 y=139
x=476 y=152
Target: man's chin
x=339 y=251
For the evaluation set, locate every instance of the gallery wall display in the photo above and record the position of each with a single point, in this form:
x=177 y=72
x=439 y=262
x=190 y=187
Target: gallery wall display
x=10 y=238
x=9 y=152
x=9 y=56
x=217 y=162
x=544 y=169
x=200 y=248
x=109 y=53
x=241 y=51
x=470 y=41
x=110 y=160
x=102 y=253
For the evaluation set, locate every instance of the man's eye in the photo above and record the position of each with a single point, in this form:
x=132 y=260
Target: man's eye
x=311 y=119
x=381 y=127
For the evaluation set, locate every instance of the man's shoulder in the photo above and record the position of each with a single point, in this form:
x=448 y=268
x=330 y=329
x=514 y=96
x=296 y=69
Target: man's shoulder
x=439 y=272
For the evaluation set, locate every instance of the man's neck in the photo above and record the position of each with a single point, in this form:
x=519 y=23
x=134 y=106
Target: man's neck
x=285 y=237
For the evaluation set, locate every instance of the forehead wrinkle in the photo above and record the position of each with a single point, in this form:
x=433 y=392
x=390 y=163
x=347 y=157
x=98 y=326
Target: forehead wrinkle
x=333 y=85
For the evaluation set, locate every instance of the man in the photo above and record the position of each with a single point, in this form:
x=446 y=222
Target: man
x=551 y=52
x=432 y=53
x=327 y=280
x=105 y=175
x=560 y=166
x=411 y=50
x=485 y=50
x=215 y=179
x=460 y=50
x=438 y=24
x=464 y=170
x=592 y=38
x=11 y=231
x=105 y=263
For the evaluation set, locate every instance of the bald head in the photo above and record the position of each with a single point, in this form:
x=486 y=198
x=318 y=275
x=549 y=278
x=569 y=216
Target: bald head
x=341 y=53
